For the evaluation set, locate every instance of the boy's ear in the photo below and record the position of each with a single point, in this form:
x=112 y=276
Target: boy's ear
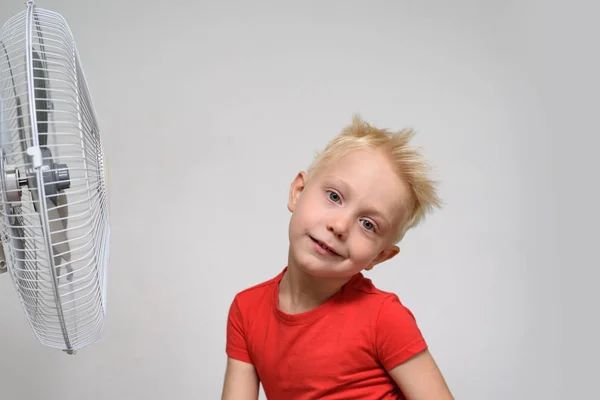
x=385 y=255
x=296 y=188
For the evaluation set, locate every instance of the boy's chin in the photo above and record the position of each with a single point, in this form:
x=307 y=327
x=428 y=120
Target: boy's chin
x=332 y=272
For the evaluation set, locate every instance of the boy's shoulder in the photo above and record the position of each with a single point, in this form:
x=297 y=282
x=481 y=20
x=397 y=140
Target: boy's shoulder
x=363 y=288
x=361 y=284
x=259 y=292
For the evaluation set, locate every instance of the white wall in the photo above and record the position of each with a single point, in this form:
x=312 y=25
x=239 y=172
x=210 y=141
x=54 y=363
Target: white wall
x=207 y=111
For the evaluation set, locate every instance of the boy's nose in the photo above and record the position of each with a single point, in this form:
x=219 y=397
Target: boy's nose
x=338 y=225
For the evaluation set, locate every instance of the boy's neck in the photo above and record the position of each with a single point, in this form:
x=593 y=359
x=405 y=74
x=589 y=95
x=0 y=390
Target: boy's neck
x=300 y=292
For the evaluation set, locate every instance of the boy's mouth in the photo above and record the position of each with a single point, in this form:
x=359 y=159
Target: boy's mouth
x=325 y=247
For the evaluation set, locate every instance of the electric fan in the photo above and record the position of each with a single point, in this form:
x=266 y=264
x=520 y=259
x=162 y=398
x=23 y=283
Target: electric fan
x=54 y=222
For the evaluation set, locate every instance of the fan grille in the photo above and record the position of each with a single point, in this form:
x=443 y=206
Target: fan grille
x=60 y=275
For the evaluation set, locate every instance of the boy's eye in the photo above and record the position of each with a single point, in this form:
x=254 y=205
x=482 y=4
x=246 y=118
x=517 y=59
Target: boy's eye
x=333 y=196
x=368 y=225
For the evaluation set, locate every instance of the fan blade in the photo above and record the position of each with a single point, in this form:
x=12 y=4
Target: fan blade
x=60 y=245
x=59 y=234
x=62 y=207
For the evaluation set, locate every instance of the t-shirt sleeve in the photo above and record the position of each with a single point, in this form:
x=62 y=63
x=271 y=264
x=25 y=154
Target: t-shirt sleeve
x=236 y=347
x=397 y=336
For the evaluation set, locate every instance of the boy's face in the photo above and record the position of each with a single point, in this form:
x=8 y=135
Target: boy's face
x=352 y=206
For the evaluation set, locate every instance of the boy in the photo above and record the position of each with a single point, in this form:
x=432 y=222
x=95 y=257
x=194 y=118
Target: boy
x=320 y=329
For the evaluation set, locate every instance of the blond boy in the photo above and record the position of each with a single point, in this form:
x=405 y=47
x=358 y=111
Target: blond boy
x=320 y=329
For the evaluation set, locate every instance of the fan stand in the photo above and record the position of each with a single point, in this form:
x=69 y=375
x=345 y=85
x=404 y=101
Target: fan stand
x=3 y=265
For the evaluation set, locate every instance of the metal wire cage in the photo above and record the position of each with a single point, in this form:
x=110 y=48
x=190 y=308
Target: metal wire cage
x=54 y=221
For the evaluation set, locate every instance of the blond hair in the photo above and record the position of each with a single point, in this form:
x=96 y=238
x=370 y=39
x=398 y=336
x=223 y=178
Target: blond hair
x=408 y=162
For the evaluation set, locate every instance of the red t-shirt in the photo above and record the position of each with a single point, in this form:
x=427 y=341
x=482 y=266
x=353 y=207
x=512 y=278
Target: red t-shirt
x=340 y=350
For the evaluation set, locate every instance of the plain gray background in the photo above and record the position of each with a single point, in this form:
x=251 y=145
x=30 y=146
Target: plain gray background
x=207 y=111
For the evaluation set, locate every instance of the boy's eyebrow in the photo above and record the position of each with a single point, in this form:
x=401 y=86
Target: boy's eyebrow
x=337 y=180
x=371 y=210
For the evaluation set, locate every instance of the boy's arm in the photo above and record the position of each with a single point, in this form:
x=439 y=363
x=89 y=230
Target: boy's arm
x=419 y=378
x=241 y=381
x=402 y=350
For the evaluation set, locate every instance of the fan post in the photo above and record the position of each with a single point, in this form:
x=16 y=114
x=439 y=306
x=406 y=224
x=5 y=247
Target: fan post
x=3 y=266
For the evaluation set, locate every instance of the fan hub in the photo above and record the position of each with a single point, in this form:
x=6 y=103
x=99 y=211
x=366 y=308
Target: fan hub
x=56 y=178
x=14 y=182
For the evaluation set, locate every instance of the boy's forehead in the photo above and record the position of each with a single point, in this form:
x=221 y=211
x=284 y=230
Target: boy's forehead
x=361 y=166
